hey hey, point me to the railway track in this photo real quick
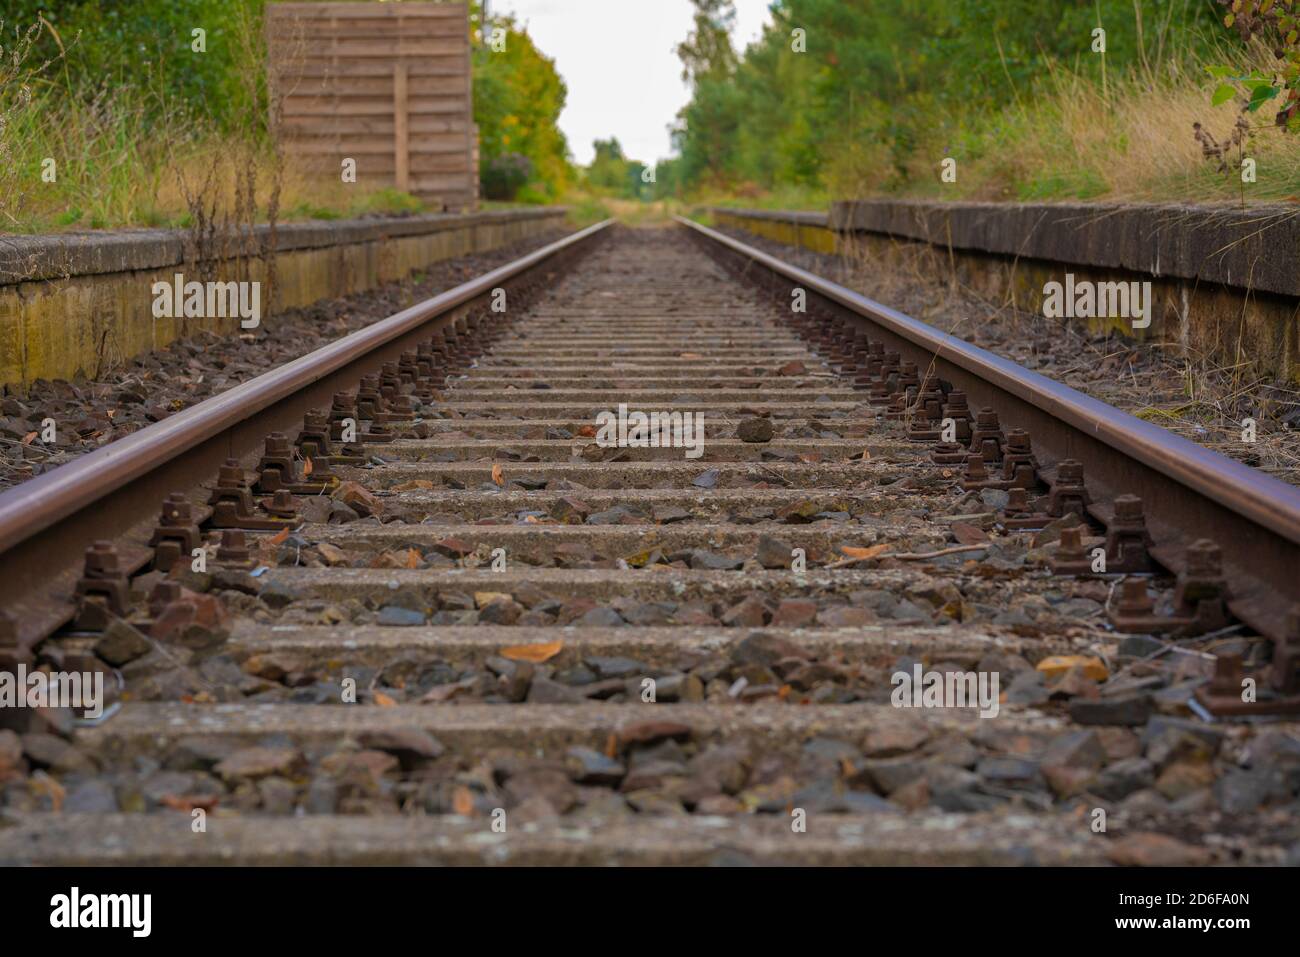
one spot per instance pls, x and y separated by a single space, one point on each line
441 619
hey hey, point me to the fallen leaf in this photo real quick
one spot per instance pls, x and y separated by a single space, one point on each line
306 467
332 554
866 454
497 477
587 432
279 536
536 652
384 701
41 783
1147 849
869 552
412 558
968 534
530 520
642 558
611 745
415 485
27 439
462 801
1056 665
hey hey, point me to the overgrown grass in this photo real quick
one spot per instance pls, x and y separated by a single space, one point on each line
128 153
1075 137
789 196
120 165
585 209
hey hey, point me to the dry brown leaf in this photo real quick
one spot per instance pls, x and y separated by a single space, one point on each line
870 552
306 467
968 534
29 437
1055 666
611 745
412 558
462 801
384 701
42 784
531 520
279 536
497 477
587 432
866 455
415 485
536 652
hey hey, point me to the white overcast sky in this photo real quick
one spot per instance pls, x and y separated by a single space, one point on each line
617 58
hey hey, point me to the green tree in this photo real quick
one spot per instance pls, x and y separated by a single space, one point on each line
518 97
146 43
884 78
614 174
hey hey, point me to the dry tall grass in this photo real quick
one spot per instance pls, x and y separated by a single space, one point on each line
1124 137
128 156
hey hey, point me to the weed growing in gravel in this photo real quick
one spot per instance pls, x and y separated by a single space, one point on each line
1193 395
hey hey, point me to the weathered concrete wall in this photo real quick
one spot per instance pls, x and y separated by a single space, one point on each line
810 230
1225 283
70 304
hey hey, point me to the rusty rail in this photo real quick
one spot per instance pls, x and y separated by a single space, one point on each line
1189 492
47 523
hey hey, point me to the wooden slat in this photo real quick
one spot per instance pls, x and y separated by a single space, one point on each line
432 182
376 29
364 11
449 143
456 162
405 45
387 84
345 90
367 106
431 66
370 164
350 126
401 139
453 86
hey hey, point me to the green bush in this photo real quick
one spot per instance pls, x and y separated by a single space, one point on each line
504 175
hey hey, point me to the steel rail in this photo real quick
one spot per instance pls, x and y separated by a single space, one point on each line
32 513
1189 492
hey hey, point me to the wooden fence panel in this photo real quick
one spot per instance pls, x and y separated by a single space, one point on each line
387 85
